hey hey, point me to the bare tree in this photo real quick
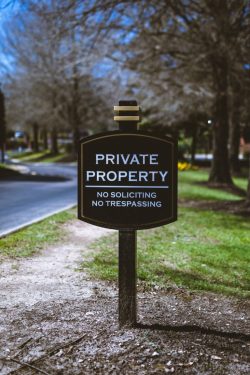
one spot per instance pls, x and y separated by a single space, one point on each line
52 70
178 57
201 37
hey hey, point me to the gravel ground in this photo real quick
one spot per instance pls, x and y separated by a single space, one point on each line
55 320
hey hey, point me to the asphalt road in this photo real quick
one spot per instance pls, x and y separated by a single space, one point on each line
22 202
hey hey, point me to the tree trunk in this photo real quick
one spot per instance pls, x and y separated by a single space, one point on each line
248 185
194 143
220 171
45 139
235 130
234 148
76 136
2 153
75 120
2 127
75 115
35 143
54 143
248 190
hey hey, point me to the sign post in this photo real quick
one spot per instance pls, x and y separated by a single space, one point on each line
127 180
127 238
127 277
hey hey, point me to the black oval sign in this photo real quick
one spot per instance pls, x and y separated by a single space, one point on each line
127 180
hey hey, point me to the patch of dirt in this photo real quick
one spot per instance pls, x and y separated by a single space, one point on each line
59 321
52 274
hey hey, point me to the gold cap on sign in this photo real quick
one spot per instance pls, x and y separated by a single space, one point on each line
127 111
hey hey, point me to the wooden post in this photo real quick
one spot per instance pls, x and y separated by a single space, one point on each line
127 277
127 243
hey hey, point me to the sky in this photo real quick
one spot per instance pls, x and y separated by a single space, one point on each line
10 8
7 10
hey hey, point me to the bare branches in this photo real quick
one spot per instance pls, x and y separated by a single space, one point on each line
6 3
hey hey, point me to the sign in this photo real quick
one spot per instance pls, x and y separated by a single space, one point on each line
127 180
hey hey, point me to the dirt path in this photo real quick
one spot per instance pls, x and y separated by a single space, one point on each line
60 322
50 276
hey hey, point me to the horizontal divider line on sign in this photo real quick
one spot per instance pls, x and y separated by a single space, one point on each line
126 186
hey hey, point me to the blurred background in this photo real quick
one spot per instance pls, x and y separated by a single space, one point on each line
65 63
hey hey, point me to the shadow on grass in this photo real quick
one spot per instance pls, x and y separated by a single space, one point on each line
202 282
62 158
234 207
21 154
229 188
45 156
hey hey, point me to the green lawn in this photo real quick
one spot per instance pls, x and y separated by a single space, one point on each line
30 240
3 166
203 250
42 156
190 187
7 171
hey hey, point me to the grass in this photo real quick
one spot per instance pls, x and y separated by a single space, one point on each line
7 171
203 250
3 166
30 240
42 156
190 187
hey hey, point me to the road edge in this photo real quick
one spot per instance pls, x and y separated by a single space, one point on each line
34 221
